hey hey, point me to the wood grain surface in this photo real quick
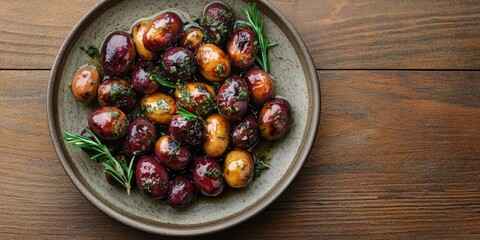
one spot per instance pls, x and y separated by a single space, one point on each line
340 34
397 152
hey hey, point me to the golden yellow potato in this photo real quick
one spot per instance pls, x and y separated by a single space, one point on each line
85 84
159 107
137 35
218 138
238 168
213 62
196 97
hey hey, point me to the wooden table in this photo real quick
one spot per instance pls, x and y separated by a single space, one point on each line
398 147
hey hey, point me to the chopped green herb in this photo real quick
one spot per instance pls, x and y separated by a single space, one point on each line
187 115
91 51
260 165
147 187
161 80
242 94
213 172
220 69
113 114
230 110
116 91
163 106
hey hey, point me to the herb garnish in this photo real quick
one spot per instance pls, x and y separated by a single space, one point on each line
91 51
213 172
117 168
260 165
252 14
161 80
187 115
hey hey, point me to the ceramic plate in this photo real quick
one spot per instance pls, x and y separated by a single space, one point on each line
296 80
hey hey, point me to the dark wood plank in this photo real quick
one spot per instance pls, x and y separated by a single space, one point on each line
397 155
347 34
391 34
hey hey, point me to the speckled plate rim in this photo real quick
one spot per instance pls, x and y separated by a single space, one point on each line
198 229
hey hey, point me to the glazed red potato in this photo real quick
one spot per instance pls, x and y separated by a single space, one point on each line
116 92
192 39
181 193
118 54
137 33
207 176
162 32
141 135
275 119
179 64
245 132
242 48
142 77
152 178
187 130
233 98
260 86
108 123
218 22
85 84
172 154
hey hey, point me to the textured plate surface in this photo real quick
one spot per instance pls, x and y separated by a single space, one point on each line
296 80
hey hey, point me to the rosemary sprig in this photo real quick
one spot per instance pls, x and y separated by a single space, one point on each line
188 115
252 15
117 168
161 80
